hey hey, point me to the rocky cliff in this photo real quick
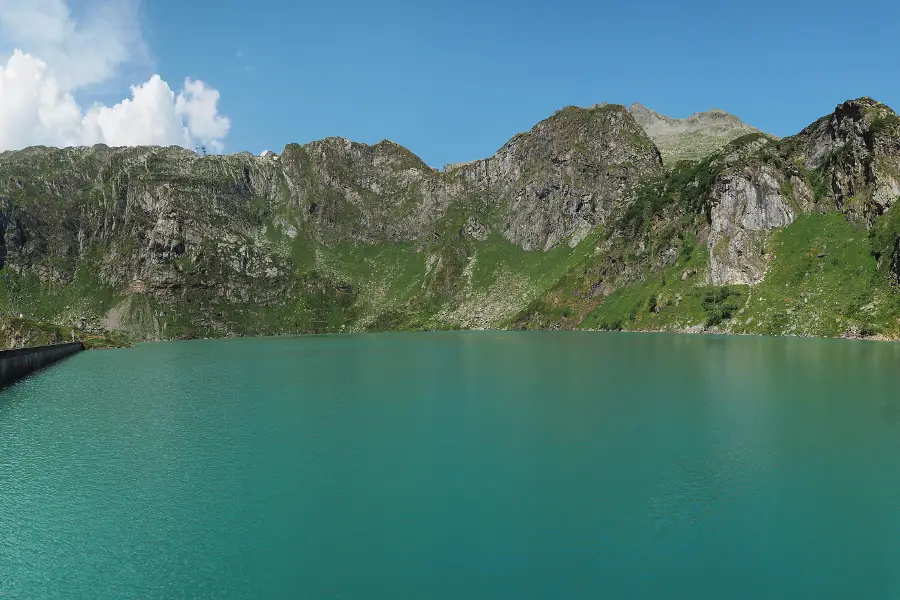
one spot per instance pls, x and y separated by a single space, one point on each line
163 242
792 236
575 223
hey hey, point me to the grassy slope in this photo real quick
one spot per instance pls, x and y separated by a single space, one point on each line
460 281
17 332
468 283
823 280
385 287
670 300
50 309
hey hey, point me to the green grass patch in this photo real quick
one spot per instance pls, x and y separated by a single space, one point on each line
822 280
497 256
670 300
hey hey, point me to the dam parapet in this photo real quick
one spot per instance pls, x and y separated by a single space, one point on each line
16 364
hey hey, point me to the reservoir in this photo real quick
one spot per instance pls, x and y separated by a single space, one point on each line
454 466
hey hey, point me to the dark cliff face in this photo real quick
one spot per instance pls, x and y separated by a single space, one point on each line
335 235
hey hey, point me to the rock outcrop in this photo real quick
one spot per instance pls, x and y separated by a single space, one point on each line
572 168
745 206
857 148
691 138
849 160
335 235
256 231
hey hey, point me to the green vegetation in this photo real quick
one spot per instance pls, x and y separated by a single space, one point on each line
668 300
683 191
160 243
823 281
720 304
17 332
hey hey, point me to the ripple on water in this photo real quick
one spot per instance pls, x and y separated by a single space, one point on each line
455 465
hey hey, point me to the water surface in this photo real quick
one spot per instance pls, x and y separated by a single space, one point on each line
456 465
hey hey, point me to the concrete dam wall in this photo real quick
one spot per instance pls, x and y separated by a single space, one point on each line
15 364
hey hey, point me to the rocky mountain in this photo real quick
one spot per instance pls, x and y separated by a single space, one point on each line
692 138
574 224
16 332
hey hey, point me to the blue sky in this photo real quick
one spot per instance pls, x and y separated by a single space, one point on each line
453 81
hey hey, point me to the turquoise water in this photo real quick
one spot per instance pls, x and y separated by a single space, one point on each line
456 465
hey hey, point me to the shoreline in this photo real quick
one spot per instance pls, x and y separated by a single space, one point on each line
692 331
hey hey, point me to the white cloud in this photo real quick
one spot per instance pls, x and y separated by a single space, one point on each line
60 55
198 105
82 51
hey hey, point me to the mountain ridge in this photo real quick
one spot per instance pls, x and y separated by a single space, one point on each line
576 223
643 115
693 137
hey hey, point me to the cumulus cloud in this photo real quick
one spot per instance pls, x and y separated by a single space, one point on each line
198 106
57 55
82 51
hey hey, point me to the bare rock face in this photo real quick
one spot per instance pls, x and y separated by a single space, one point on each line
854 157
745 206
858 149
568 170
691 138
242 244
342 188
241 229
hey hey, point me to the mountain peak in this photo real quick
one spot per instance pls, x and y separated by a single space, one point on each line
646 116
690 138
